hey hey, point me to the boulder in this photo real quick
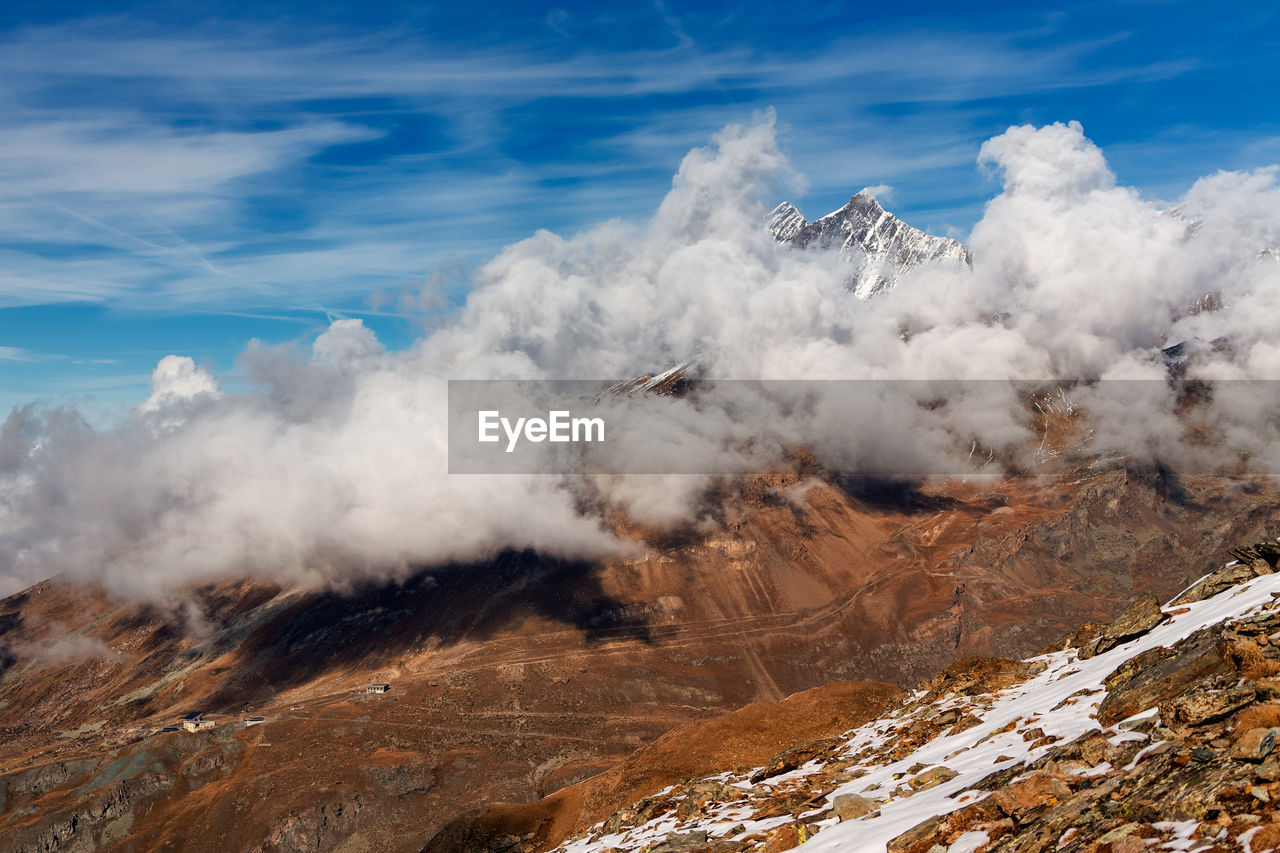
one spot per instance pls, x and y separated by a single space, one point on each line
1128 844
1256 625
689 842
914 835
930 778
1198 708
788 803
1139 662
978 675
1123 831
1091 747
701 793
1254 745
1020 799
1261 557
852 806
785 838
1155 677
796 756
621 819
1139 617
1219 581
1269 770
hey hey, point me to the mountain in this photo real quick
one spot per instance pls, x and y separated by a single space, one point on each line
880 247
520 677
751 734
1157 731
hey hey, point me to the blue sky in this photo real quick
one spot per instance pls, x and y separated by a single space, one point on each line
181 180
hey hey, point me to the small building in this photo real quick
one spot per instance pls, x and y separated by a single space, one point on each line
377 688
252 721
195 722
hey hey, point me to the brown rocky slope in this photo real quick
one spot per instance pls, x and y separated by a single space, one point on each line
514 679
1157 732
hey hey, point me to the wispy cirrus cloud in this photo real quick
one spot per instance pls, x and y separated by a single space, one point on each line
17 354
250 165
270 65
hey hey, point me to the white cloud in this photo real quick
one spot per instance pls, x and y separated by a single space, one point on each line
882 192
17 354
178 380
334 465
127 155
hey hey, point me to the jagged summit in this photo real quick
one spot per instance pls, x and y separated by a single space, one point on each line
785 221
881 247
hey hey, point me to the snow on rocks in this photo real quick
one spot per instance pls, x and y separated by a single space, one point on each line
1011 755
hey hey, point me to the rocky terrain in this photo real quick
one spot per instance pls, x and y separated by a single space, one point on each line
1155 731
750 734
519 678
879 247
531 697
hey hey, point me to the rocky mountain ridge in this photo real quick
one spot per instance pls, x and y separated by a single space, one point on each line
1156 731
880 247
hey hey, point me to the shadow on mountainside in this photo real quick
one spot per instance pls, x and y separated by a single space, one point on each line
8 622
375 623
892 495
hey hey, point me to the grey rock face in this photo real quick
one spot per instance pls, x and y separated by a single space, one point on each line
1142 615
1222 579
880 247
1161 674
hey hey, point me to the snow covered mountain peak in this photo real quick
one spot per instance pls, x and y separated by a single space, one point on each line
785 221
880 247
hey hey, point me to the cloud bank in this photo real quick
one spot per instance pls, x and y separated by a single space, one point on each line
334 465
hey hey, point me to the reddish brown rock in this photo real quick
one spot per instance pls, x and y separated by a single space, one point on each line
1128 844
785 838
1254 744
1020 799
796 756
521 677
